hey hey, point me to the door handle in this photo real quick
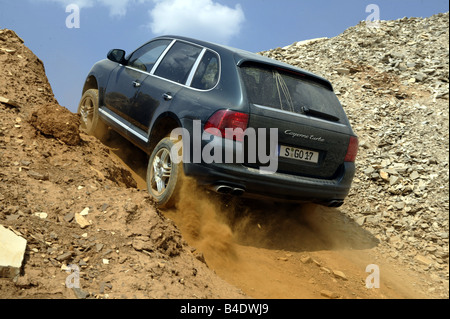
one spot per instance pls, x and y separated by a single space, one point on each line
136 84
167 96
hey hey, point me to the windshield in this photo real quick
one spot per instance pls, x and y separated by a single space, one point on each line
290 92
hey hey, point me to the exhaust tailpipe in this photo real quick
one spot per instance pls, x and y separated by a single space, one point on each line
238 192
225 189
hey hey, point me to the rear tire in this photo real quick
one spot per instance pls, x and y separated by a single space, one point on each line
91 123
164 176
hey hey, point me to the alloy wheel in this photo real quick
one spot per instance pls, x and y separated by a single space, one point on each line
161 171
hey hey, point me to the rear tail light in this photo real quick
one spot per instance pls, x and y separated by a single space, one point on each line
352 149
224 119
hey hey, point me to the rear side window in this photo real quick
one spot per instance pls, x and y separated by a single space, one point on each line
273 87
208 71
178 62
146 56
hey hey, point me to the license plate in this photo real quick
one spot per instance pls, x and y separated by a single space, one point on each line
298 154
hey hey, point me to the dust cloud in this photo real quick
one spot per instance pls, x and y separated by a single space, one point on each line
218 225
202 218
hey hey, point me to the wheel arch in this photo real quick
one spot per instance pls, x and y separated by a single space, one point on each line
162 127
98 78
90 83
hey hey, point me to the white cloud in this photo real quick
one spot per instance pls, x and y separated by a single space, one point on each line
204 19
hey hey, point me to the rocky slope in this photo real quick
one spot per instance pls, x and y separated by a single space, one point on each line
393 82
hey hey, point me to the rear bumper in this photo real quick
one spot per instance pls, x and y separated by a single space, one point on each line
278 186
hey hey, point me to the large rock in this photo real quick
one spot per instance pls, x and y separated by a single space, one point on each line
12 250
58 122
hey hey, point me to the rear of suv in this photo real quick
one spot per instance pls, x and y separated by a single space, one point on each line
290 139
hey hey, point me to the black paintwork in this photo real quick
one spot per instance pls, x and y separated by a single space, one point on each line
136 102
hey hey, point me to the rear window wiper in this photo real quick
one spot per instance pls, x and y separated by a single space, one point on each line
307 110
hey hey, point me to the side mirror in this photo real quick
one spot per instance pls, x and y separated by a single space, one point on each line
117 55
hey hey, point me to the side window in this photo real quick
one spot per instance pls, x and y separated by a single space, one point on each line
178 62
146 56
207 74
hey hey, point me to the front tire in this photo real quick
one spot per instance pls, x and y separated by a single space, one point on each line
164 175
91 123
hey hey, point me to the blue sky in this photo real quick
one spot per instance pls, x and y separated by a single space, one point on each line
253 25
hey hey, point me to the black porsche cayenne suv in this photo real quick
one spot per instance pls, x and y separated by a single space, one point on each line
237 122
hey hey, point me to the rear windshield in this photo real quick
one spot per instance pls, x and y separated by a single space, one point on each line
273 87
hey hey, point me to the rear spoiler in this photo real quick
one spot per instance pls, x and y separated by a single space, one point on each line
286 68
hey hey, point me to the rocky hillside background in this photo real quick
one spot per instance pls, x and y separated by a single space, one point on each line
393 82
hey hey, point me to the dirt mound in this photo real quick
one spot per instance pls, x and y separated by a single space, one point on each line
22 75
77 205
